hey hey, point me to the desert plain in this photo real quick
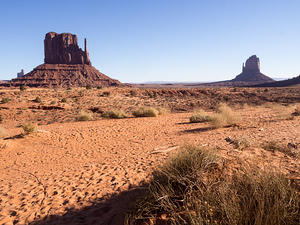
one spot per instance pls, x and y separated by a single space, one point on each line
88 172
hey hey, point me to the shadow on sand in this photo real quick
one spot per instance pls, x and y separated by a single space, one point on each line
198 130
108 212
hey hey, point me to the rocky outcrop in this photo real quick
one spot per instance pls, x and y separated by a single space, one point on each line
63 49
251 72
66 65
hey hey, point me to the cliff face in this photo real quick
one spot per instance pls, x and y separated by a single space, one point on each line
63 49
65 65
251 72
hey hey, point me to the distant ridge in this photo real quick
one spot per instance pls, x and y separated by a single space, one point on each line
283 83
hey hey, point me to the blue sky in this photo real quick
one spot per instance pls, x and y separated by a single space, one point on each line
157 40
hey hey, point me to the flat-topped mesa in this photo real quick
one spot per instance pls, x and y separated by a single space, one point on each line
63 49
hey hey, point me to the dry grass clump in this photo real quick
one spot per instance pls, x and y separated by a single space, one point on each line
145 112
84 116
192 188
114 114
28 128
297 111
200 117
273 146
225 117
162 111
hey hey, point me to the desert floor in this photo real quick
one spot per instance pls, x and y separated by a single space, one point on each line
72 172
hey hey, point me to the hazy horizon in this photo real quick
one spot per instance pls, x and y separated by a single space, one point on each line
141 41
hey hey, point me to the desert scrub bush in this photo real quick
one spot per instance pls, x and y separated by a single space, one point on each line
162 111
200 117
133 93
145 112
23 88
192 188
28 128
99 87
5 100
106 93
84 116
114 114
224 117
64 100
275 146
297 111
38 99
88 87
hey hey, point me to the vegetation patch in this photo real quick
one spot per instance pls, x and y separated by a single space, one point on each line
200 117
145 112
225 117
28 128
84 116
114 114
193 188
289 149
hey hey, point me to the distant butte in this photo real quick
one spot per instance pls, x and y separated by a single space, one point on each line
251 72
250 75
65 65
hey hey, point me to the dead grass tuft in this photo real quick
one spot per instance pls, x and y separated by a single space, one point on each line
225 117
200 117
145 112
114 114
28 128
192 189
85 116
285 149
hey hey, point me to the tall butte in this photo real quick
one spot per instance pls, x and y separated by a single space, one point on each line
65 65
251 72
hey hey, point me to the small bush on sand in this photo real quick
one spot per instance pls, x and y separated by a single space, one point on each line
162 111
28 128
200 117
38 99
114 114
276 146
88 87
225 117
297 111
4 100
84 116
192 188
63 100
145 112
23 88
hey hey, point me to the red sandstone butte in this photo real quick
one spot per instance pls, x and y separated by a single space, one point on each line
65 65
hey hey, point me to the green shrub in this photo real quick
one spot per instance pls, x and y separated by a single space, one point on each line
23 88
28 128
145 112
37 99
88 87
114 114
84 116
192 188
106 93
200 117
99 87
64 100
5 100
